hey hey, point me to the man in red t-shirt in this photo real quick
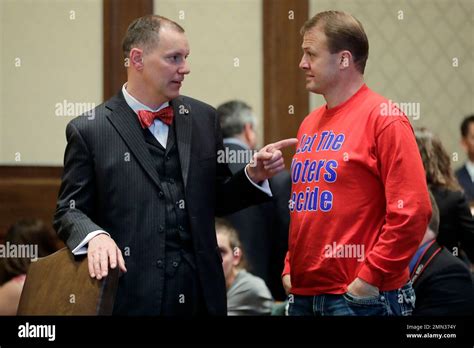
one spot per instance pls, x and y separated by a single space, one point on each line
359 204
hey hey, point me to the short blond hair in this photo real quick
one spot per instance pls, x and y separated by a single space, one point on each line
343 32
225 228
144 32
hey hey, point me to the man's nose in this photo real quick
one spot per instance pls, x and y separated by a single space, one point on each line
303 63
185 68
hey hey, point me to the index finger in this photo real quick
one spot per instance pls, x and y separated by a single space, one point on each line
284 143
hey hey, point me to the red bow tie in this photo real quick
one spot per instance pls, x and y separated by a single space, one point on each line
147 117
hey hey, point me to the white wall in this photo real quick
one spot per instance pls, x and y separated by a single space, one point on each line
59 46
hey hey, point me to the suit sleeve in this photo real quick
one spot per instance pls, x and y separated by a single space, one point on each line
281 188
233 193
408 207
466 226
448 291
73 219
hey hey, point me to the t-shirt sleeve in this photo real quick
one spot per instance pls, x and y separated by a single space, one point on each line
408 207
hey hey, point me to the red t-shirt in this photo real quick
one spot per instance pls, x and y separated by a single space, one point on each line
359 205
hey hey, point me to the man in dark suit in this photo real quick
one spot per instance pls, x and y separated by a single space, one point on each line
142 183
465 174
442 282
263 229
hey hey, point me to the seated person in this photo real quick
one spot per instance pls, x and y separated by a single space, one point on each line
456 224
443 284
246 293
25 241
465 174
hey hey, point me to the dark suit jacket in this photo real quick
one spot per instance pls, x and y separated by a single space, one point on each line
466 183
456 224
444 288
110 183
263 229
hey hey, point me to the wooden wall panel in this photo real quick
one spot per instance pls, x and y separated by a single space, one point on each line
27 192
286 101
118 14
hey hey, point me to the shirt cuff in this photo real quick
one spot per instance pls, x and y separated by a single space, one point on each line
81 249
264 186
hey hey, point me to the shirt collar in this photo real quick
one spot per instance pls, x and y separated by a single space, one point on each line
235 141
135 105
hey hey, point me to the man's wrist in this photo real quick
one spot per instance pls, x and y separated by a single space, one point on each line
252 176
366 283
361 288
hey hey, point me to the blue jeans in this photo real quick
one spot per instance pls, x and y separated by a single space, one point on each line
398 302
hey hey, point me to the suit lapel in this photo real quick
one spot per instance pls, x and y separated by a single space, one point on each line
466 176
183 123
127 125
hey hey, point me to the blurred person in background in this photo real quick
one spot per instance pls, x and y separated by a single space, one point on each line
456 229
442 282
246 294
26 240
465 174
263 229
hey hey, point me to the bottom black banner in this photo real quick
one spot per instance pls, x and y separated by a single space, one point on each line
236 330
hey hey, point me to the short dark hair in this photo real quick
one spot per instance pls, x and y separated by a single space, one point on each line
27 231
465 125
343 32
434 221
233 116
144 31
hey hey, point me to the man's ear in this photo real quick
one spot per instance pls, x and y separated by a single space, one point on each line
236 256
346 58
136 58
248 129
464 144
